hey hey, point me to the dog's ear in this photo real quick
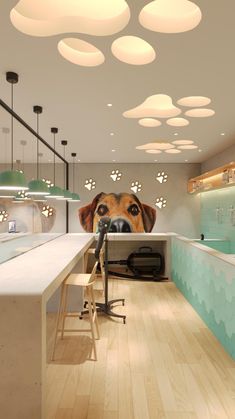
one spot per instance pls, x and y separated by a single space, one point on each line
86 213
149 217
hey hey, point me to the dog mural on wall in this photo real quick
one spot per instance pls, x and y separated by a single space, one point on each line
127 213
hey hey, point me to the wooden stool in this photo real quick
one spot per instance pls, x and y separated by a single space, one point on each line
85 280
91 251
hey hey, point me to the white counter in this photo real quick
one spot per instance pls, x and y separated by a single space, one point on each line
26 284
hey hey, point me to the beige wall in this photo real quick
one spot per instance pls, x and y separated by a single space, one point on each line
182 211
218 160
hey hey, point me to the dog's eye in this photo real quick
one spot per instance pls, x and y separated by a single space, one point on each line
102 210
133 210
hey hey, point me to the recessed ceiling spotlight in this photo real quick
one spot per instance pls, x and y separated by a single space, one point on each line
176 133
186 160
113 151
109 105
155 160
222 133
111 133
78 160
200 150
114 160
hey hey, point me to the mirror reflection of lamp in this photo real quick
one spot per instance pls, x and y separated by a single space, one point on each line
3 216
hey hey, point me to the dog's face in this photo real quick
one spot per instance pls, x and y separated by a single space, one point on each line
126 212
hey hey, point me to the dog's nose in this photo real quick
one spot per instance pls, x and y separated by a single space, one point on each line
120 226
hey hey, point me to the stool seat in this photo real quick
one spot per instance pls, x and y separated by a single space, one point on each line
82 280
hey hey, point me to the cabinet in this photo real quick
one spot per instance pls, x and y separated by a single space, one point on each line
218 178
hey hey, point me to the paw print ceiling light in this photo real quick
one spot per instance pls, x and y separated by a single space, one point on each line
47 211
90 184
160 202
102 18
3 216
136 187
162 177
115 175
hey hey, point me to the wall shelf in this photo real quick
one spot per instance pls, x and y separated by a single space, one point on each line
221 177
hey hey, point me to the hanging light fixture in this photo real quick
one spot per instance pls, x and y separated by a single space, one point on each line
67 193
12 180
36 186
6 194
75 196
21 196
55 191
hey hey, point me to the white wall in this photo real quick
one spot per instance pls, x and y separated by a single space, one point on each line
218 160
182 211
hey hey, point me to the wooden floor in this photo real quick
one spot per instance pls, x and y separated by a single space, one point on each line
164 363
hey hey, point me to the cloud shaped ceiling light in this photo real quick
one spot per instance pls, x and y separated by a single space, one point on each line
156 106
133 50
153 151
80 52
173 151
182 142
155 146
149 122
170 16
53 17
200 113
177 122
194 101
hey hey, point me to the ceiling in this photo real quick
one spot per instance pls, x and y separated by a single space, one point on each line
200 62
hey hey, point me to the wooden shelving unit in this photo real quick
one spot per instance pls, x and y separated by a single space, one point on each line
221 177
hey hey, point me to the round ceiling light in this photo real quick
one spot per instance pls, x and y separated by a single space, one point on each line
200 113
173 151
188 147
155 106
182 142
177 122
80 52
153 151
53 17
170 16
155 146
194 101
133 50
149 122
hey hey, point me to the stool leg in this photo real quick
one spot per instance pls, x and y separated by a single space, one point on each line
102 269
91 321
62 294
64 311
95 312
85 261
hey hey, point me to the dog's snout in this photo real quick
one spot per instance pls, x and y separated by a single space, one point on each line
120 226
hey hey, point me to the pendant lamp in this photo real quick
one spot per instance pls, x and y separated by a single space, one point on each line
67 193
12 180
55 191
21 196
36 186
75 196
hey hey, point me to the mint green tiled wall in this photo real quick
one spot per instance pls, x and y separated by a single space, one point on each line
211 225
208 283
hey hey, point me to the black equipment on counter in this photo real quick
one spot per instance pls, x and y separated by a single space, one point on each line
103 228
146 262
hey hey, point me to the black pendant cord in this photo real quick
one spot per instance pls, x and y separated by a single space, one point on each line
73 173
12 127
54 159
37 129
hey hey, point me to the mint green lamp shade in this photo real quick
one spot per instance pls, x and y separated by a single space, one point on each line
67 195
38 187
75 197
55 192
13 180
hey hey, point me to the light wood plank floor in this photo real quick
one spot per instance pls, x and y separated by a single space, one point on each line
164 363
